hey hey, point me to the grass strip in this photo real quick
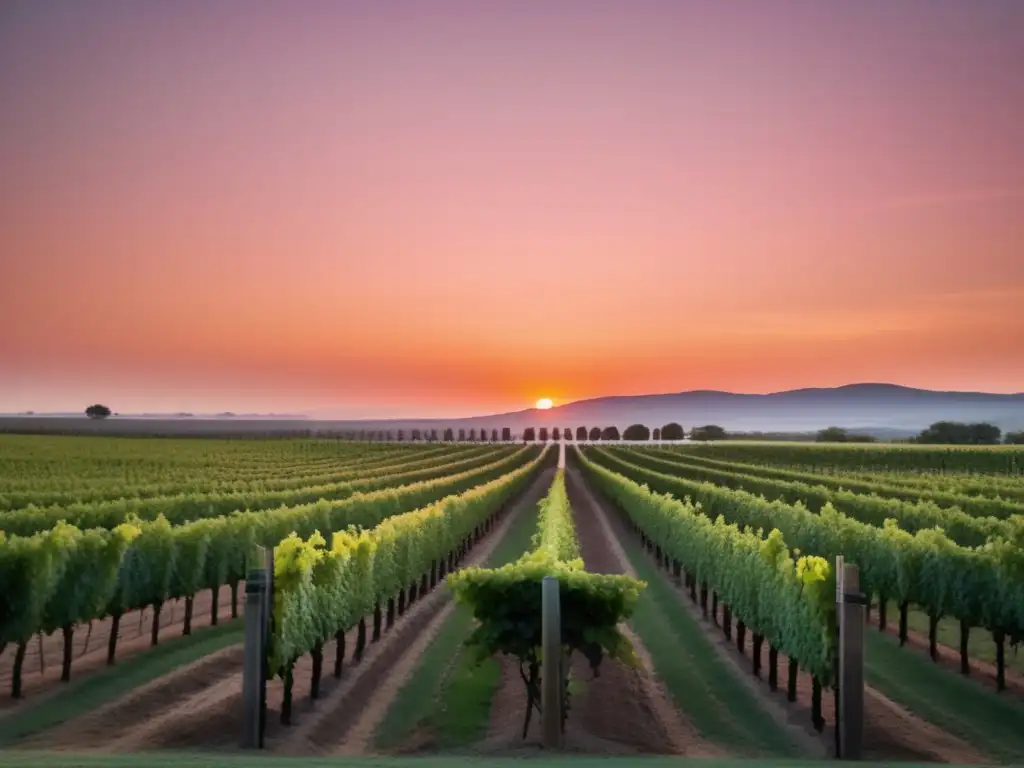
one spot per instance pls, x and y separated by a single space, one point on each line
705 686
92 691
981 648
447 693
989 721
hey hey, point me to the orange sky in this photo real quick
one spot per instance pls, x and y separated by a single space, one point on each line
389 208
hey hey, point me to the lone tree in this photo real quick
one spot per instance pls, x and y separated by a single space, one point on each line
636 432
543 434
595 434
449 435
581 434
529 435
956 433
610 433
833 435
672 431
97 411
506 434
656 435
708 432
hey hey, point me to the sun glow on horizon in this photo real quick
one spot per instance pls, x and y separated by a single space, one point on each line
544 403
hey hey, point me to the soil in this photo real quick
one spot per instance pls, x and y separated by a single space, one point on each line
384 690
199 706
981 671
890 732
622 711
41 674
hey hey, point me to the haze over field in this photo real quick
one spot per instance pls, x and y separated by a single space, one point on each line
444 209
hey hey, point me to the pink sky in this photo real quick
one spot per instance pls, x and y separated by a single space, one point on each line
390 208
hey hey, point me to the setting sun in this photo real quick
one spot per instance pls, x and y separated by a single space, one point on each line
544 403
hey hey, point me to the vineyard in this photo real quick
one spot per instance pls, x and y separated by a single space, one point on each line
697 583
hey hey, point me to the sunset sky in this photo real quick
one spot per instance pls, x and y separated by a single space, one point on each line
440 208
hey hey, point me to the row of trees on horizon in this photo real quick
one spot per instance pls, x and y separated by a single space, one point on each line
939 433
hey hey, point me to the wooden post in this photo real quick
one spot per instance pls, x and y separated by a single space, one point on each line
850 614
254 681
551 670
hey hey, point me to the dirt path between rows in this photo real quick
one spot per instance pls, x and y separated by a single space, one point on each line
983 672
199 706
386 689
890 732
622 711
133 637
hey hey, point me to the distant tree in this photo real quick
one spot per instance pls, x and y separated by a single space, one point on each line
556 433
610 433
636 432
506 434
581 434
672 431
449 435
707 432
1014 438
529 435
595 434
543 434
472 435
462 435
97 412
401 435
833 435
656 435
567 434
433 435
957 433
416 435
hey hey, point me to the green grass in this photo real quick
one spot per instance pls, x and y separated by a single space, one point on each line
185 760
991 722
980 647
704 685
80 696
447 693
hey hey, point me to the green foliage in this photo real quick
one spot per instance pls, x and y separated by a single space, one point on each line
956 433
788 599
672 431
1014 438
610 433
97 412
319 591
910 458
708 432
636 432
581 434
507 601
656 434
595 434
983 585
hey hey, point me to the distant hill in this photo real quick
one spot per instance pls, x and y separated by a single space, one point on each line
886 411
